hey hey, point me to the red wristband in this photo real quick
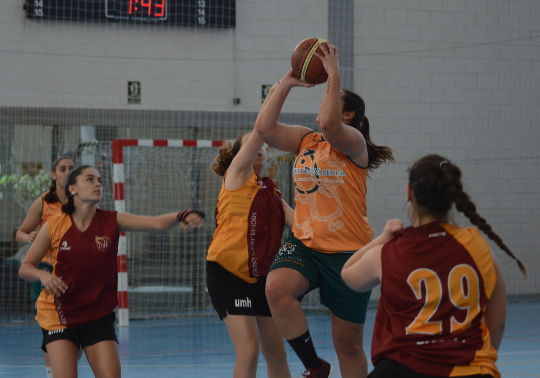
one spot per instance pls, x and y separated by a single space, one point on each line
182 215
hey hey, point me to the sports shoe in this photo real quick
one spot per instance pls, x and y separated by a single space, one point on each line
323 371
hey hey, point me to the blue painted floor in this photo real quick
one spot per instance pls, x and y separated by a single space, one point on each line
200 347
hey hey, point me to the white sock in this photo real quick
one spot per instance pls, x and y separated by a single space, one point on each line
48 371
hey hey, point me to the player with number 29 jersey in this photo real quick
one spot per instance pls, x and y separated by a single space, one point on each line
430 315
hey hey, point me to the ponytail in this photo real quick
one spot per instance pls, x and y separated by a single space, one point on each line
69 206
376 154
468 208
51 196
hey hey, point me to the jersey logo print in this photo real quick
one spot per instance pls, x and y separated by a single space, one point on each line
317 189
103 243
302 164
64 246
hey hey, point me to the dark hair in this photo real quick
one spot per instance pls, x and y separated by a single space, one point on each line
50 196
376 154
227 152
69 207
436 185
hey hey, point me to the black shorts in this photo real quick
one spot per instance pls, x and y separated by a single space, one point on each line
232 295
386 367
84 335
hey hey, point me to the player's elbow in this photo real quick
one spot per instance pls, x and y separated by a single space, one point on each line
496 334
263 129
23 271
325 123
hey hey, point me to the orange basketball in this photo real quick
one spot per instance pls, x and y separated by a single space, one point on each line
306 66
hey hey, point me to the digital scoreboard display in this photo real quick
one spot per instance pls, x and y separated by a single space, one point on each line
203 13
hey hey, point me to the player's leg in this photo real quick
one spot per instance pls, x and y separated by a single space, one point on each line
103 359
273 348
283 287
35 291
98 338
348 314
289 278
243 332
347 338
234 301
292 275
62 356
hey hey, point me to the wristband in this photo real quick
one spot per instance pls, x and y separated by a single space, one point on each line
182 215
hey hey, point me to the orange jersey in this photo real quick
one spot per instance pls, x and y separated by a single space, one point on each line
249 226
435 284
86 262
330 196
49 209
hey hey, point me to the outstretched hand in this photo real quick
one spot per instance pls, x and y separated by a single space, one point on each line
192 220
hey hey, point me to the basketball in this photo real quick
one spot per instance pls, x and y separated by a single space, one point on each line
306 66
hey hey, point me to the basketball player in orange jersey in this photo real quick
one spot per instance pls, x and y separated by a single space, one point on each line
42 208
330 218
250 217
443 299
76 308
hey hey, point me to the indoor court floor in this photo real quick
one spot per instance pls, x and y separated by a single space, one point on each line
200 347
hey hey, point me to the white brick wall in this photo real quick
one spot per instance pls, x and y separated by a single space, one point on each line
465 85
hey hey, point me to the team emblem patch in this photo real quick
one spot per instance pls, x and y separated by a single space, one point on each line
103 243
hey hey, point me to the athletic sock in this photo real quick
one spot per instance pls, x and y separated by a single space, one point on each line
305 350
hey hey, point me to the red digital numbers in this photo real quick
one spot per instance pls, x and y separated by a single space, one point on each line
159 8
146 4
151 8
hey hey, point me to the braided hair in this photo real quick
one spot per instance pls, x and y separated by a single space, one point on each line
436 184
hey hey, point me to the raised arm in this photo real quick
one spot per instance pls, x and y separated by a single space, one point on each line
186 218
345 138
278 135
29 271
241 166
496 310
27 231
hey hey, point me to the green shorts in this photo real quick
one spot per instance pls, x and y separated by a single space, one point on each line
323 271
37 287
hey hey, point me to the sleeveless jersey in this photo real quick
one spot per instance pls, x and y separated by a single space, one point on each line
86 262
330 198
249 226
49 209
436 282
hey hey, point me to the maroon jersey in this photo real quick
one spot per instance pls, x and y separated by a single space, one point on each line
86 262
436 281
249 225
